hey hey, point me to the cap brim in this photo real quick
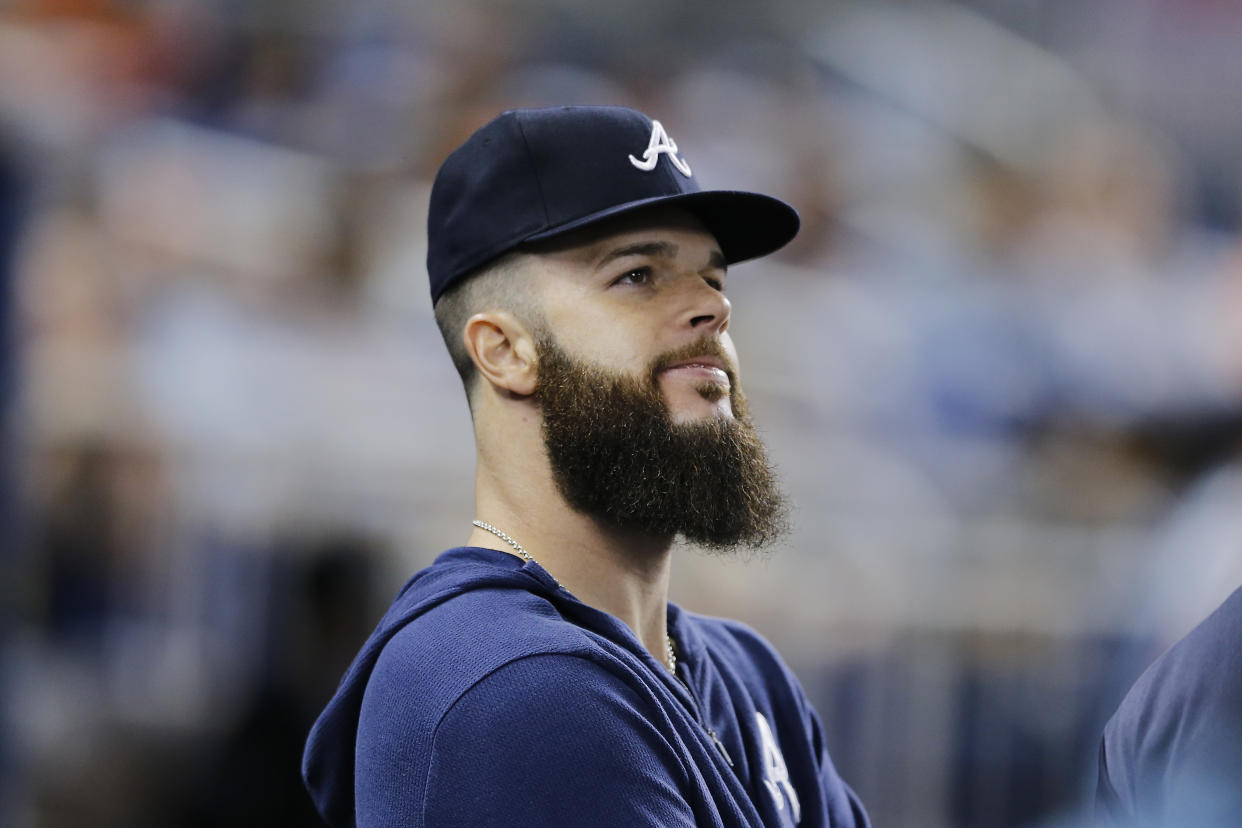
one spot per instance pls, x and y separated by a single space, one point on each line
746 225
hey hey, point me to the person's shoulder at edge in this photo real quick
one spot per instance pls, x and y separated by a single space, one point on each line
1180 723
450 646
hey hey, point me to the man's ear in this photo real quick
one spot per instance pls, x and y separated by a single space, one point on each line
503 351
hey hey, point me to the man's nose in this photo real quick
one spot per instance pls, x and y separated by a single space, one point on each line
707 309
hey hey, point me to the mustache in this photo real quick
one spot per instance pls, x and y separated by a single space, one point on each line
707 346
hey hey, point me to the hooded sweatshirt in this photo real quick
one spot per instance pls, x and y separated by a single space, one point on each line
488 695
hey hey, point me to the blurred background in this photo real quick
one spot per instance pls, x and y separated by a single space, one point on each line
999 369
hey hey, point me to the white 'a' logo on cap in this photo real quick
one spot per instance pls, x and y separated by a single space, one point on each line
660 143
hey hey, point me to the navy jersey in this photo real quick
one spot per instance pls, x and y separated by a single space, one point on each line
488 695
1172 753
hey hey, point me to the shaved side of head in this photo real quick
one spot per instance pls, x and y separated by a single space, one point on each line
506 284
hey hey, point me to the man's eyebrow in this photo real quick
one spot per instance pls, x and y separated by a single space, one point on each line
664 249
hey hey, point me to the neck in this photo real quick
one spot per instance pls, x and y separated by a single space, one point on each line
623 574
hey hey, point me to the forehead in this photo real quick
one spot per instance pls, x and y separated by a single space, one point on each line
592 243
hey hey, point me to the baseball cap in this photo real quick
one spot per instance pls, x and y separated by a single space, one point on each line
532 174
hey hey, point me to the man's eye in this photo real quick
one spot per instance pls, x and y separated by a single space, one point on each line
716 284
637 276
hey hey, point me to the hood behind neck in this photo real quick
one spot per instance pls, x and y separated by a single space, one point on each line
328 762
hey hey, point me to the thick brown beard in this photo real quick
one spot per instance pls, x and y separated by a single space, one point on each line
617 455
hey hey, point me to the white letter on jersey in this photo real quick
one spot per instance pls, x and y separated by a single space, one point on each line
660 143
775 773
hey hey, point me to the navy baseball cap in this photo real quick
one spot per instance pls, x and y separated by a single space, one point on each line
532 174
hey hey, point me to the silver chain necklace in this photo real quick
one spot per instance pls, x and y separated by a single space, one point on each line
487 527
670 653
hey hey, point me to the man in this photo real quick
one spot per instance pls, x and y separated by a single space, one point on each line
538 675
1172 753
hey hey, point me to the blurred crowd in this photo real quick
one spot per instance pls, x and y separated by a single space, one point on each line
1000 369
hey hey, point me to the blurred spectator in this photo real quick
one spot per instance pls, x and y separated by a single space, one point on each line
12 211
251 776
81 549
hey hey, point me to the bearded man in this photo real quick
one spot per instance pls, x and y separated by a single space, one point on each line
538 675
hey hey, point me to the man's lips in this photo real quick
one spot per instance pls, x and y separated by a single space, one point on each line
704 368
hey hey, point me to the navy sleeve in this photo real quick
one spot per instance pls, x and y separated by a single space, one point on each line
545 740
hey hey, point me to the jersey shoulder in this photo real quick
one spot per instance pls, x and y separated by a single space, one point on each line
454 645
546 738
